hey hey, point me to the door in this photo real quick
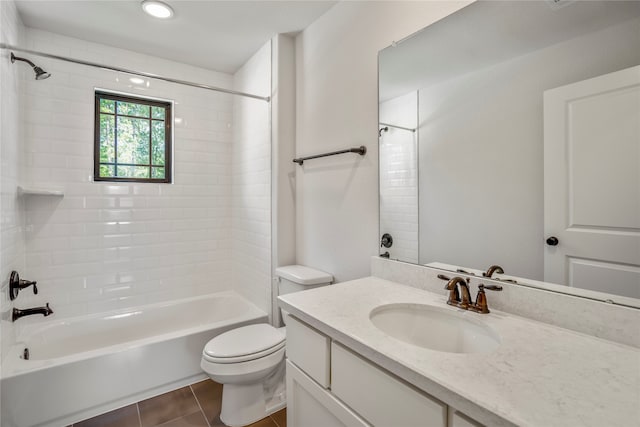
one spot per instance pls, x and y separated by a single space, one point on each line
592 183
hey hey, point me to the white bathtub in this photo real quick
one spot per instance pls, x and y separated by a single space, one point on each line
81 367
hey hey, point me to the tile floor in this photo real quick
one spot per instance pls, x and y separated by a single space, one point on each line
197 405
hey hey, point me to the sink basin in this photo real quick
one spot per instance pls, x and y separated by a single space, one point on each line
435 328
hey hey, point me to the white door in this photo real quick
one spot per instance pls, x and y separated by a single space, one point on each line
592 183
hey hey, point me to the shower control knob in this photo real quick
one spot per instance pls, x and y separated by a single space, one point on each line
553 241
386 241
16 284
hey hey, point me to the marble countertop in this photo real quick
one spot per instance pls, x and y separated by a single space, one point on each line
540 375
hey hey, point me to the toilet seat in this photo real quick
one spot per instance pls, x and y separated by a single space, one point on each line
244 344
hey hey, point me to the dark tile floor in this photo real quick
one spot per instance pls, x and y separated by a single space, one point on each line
197 405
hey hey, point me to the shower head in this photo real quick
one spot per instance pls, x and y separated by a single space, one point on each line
383 129
40 73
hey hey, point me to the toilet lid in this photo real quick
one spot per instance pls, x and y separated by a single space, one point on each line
245 341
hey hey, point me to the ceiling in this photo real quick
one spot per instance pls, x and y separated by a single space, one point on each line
217 35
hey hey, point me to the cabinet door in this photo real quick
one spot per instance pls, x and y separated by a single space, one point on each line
379 397
309 405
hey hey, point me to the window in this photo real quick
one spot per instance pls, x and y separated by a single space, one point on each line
132 139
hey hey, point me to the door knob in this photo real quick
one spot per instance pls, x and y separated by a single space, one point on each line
552 241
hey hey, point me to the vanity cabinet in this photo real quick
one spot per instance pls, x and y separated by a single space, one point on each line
310 405
330 386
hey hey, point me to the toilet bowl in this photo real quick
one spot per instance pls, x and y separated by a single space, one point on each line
249 361
243 360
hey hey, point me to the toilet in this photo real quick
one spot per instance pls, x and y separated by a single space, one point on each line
249 361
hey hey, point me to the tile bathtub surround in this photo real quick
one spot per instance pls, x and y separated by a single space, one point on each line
399 176
599 319
251 182
12 157
197 405
107 246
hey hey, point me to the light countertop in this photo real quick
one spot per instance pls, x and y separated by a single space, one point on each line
540 375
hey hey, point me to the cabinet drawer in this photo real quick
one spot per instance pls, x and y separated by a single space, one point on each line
309 405
309 350
382 399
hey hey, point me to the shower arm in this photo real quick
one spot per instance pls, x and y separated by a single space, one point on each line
17 58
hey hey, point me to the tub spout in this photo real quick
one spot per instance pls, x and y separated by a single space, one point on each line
17 313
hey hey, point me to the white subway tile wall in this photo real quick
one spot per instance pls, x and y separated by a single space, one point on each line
399 177
251 198
107 245
12 248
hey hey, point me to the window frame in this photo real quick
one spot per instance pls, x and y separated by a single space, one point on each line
168 136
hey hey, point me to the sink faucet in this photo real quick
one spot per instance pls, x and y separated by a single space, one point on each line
17 313
479 306
462 299
493 269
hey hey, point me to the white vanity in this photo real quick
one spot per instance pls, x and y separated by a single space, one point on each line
343 370
352 390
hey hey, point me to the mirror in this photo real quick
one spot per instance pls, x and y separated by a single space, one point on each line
510 135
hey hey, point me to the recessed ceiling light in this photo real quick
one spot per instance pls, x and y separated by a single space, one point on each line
157 9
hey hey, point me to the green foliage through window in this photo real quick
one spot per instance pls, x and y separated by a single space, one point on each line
132 139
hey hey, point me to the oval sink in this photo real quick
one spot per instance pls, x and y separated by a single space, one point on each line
434 328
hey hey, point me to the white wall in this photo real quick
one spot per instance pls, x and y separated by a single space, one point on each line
399 176
12 250
251 182
283 113
481 152
283 146
337 107
112 245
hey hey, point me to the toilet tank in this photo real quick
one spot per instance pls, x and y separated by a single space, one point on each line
295 278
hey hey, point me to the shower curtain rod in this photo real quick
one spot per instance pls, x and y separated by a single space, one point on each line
135 73
397 127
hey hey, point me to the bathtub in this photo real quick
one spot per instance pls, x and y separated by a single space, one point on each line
85 366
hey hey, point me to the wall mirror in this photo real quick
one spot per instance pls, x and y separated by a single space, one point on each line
510 134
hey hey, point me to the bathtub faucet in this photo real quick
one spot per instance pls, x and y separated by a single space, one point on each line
17 313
